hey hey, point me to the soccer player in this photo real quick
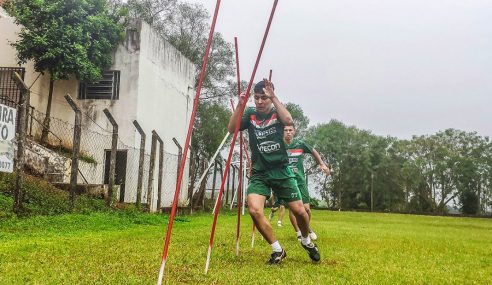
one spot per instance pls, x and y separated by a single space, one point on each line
295 150
271 172
278 204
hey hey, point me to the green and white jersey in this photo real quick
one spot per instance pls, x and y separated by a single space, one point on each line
295 150
266 141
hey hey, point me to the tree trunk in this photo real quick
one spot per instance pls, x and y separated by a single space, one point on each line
46 122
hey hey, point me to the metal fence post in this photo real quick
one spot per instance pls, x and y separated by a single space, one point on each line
77 132
150 183
141 160
112 163
21 137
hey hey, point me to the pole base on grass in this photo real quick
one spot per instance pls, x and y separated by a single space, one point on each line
208 258
237 247
161 272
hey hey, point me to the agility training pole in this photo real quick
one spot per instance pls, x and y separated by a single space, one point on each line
234 138
186 145
241 142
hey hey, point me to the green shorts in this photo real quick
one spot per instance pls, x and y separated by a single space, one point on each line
281 181
304 193
279 202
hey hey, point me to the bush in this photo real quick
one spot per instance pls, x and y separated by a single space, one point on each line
41 198
469 201
313 203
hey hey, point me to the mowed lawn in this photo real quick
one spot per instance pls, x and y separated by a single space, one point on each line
356 248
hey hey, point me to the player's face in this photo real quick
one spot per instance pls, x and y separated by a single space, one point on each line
263 103
289 132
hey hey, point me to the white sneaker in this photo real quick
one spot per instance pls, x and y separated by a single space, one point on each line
279 224
313 235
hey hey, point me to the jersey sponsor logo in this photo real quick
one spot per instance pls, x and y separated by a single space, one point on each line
268 147
261 134
293 160
265 123
295 152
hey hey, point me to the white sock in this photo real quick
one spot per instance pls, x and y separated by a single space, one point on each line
276 247
305 240
298 233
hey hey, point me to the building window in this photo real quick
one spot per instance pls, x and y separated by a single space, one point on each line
9 92
107 88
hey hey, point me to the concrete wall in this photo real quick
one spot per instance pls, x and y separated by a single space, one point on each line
165 88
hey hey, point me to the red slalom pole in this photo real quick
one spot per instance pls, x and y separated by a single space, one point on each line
186 146
270 76
234 138
241 142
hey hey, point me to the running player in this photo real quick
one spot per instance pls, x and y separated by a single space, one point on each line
265 125
295 150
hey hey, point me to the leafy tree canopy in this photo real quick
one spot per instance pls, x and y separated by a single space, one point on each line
65 37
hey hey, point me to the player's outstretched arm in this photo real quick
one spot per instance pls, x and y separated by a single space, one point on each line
321 163
231 127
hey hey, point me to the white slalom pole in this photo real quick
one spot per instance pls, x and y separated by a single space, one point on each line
216 203
211 162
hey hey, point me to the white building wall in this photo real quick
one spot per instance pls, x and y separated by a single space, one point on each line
164 104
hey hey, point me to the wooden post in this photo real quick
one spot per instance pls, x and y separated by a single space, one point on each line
21 137
228 186
192 175
150 184
161 169
77 132
214 180
112 163
141 160
180 154
233 183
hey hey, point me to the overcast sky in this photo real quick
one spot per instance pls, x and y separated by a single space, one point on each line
396 68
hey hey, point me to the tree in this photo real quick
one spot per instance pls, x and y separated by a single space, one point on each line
65 38
301 121
208 132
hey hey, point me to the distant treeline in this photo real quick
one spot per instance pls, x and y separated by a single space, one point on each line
427 174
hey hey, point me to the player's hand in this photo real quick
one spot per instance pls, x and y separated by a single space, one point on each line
242 99
325 169
268 89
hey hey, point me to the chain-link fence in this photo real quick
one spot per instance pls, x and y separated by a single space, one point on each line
49 154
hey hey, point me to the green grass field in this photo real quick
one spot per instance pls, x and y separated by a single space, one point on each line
356 248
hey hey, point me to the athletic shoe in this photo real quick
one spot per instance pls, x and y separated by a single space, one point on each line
279 224
313 252
299 238
313 235
277 257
